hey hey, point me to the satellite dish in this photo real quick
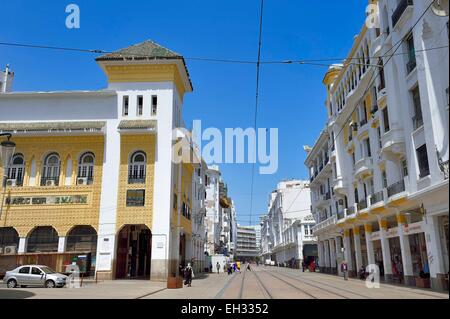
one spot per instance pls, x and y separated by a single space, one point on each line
440 8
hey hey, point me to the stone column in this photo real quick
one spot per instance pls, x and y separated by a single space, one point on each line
327 256
347 250
358 252
333 257
406 252
321 256
386 250
338 242
22 245
369 244
434 249
62 244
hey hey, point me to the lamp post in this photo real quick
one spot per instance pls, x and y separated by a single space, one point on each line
7 151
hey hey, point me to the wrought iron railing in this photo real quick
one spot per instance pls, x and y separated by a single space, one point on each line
136 179
417 122
362 204
396 188
376 198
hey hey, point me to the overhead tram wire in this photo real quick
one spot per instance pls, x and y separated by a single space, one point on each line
258 74
312 62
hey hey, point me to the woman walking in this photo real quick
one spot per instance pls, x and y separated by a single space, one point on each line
188 275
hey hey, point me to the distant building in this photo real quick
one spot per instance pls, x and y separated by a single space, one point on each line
247 244
286 232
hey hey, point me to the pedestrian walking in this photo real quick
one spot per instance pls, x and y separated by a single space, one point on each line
303 266
218 267
210 267
344 269
229 270
248 267
188 275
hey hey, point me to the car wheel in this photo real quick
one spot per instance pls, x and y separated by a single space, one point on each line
12 283
49 284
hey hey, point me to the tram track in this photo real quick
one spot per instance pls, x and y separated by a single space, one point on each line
264 288
314 283
291 285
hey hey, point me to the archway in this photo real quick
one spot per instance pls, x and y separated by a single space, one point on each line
9 240
134 245
43 239
82 239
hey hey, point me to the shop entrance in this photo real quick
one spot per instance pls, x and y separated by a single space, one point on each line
378 256
396 258
134 244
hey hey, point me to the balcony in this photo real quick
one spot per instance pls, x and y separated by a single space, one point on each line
376 198
339 185
396 188
362 205
351 211
324 225
341 215
403 6
363 167
394 142
136 179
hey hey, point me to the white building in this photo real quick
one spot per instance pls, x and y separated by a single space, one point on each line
99 165
247 247
379 171
286 232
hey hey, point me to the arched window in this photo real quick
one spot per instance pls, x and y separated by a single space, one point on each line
50 173
86 167
43 239
16 170
137 168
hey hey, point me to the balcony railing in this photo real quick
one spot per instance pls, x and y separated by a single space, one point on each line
396 188
140 179
351 211
341 215
376 198
362 204
327 196
401 8
46 181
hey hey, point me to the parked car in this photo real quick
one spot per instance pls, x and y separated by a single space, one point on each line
34 275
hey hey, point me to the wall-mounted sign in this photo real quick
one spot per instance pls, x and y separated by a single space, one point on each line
412 229
47 200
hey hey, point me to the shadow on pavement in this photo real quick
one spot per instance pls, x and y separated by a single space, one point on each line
15 294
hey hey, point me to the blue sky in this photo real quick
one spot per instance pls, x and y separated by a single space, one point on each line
292 96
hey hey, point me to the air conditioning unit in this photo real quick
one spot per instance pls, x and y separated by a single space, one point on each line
10 250
11 182
82 181
50 182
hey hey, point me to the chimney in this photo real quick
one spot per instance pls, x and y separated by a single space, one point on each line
6 80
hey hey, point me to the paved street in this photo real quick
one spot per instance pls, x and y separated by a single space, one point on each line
261 283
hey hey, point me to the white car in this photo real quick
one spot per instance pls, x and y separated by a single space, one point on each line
34 275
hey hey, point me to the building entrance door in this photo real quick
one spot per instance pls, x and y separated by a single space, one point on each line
134 252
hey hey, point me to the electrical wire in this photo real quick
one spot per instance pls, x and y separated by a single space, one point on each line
258 74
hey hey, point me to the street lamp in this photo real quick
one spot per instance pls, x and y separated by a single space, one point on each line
7 151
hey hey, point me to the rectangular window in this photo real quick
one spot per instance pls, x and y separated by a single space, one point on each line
140 105
154 105
411 65
125 105
387 128
368 151
380 141
417 119
384 178
136 198
405 168
382 78
422 159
